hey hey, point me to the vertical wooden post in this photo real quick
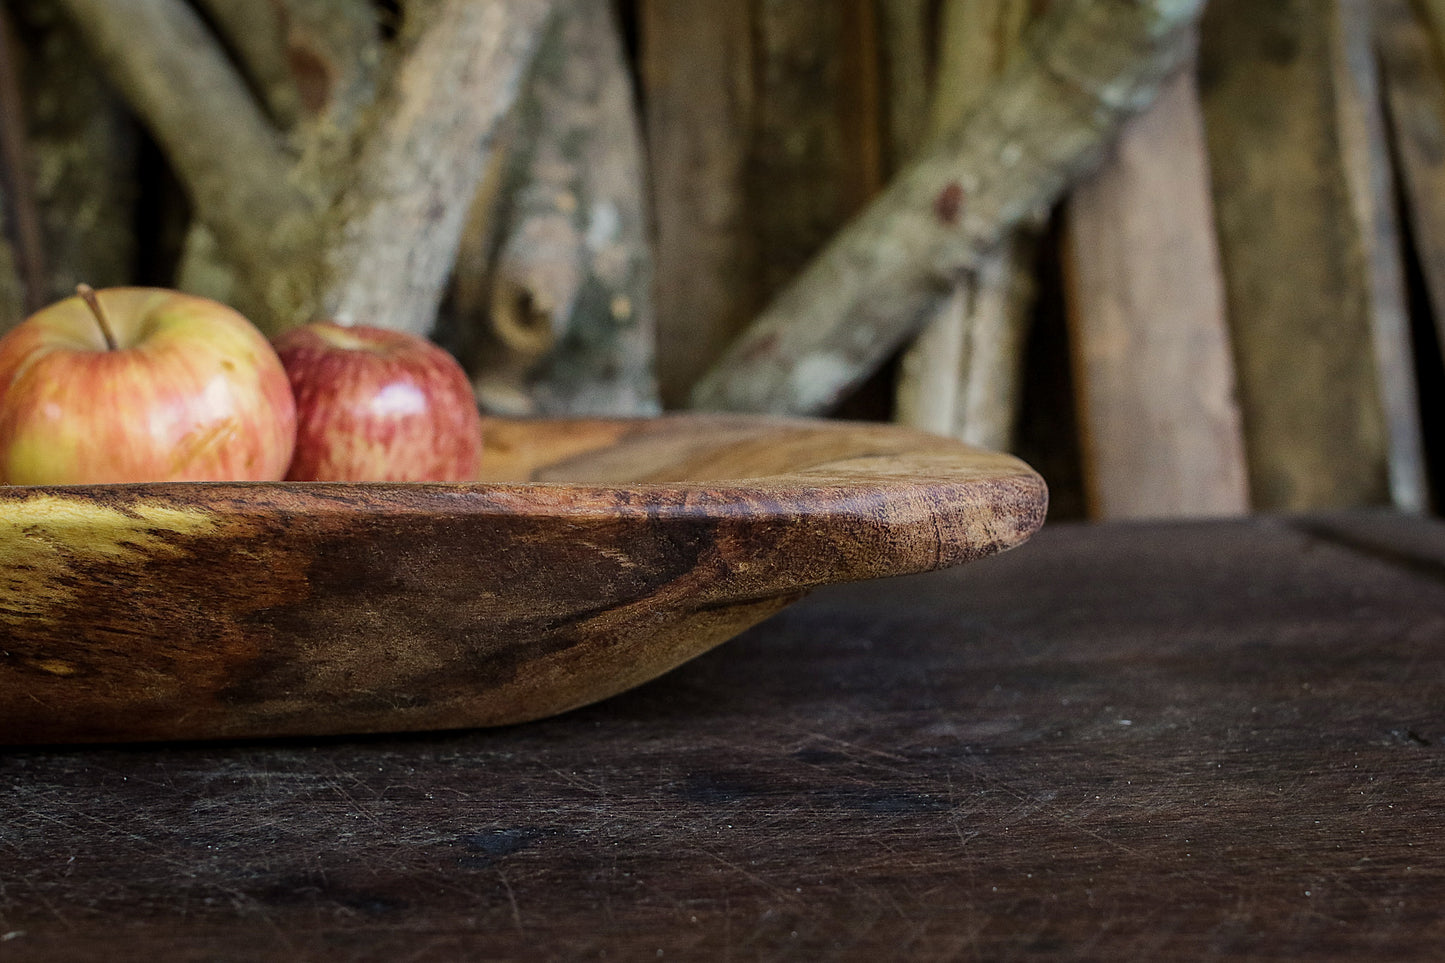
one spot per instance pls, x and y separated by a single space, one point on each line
1415 92
1160 428
816 152
1366 163
697 72
765 135
1307 259
907 46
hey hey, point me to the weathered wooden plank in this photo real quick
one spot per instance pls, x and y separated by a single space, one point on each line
1222 739
1415 93
697 77
1305 254
1159 424
1370 180
817 147
908 44
765 135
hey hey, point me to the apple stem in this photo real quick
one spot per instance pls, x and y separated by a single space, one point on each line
87 294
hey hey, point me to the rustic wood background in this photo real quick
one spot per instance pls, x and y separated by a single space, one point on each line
1234 306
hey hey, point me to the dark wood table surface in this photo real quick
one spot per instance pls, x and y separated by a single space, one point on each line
1155 741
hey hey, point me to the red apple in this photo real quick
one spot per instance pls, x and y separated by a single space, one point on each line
378 405
141 384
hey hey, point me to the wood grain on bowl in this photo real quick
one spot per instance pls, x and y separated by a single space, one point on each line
593 556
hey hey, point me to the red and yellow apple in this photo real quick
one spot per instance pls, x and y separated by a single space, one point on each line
378 405
141 385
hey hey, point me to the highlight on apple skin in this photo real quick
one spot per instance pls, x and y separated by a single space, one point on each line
378 405
141 385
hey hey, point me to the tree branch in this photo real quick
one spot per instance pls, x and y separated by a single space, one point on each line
176 77
403 216
307 59
314 65
1090 64
256 35
551 303
575 245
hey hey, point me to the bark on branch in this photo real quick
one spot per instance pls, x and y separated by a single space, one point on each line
402 217
360 224
308 60
168 66
1089 64
553 279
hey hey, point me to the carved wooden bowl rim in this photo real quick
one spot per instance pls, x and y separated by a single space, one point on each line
593 555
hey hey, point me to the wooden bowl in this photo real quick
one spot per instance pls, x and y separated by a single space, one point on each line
594 556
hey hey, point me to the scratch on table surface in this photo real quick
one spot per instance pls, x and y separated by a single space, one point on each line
899 911
512 899
177 871
778 891
847 744
955 814
571 778
110 827
360 811
132 775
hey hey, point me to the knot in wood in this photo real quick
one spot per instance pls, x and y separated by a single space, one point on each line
949 203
